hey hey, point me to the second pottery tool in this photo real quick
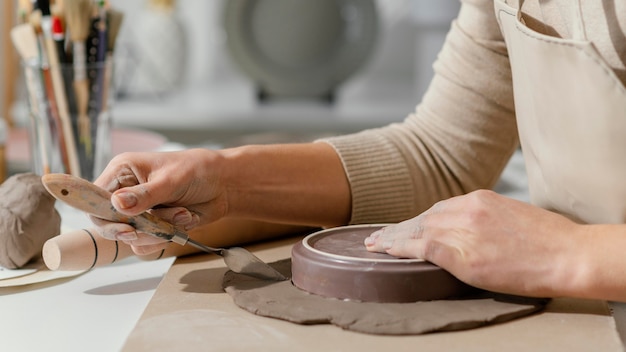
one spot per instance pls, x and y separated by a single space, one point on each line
84 195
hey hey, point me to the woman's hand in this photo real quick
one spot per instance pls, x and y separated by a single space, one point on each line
180 187
190 179
297 184
142 243
491 242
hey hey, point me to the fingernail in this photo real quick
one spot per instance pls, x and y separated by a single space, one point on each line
125 200
182 217
195 219
126 236
387 244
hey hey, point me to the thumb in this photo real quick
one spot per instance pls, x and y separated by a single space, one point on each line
133 200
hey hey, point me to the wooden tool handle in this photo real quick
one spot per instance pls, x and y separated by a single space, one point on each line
84 195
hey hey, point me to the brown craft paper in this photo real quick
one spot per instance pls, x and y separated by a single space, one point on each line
190 311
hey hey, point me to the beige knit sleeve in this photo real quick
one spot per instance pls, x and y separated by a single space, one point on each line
458 140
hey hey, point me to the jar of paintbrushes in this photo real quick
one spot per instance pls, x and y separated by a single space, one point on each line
66 49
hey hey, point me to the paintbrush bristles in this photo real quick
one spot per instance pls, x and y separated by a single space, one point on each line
59 5
115 22
78 18
34 19
24 8
25 41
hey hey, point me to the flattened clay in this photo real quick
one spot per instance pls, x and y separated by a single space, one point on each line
27 219
282 300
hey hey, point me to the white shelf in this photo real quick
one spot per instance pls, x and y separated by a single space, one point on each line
232 106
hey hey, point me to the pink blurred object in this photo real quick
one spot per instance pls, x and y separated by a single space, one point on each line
124 140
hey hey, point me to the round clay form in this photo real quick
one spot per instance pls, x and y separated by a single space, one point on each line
335 263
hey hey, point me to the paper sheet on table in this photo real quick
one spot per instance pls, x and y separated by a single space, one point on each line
6 273
38 273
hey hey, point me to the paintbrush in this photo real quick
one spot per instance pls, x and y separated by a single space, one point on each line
38 19
114 23
56 56
50 117
78 18
96 53
25 41
58 96
114 19
24 8
58 35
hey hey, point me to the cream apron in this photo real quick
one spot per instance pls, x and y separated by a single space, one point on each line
571 116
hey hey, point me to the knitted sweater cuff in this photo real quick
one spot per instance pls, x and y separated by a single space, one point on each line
381 189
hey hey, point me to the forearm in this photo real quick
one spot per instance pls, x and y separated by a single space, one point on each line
229 232
301 184
599 263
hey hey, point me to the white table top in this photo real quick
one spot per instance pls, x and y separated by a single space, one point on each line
94 311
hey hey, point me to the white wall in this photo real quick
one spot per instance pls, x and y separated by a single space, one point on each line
412 33
386 90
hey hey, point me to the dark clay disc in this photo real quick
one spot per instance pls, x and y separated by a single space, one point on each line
335 263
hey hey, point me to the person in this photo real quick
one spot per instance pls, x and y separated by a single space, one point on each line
544 75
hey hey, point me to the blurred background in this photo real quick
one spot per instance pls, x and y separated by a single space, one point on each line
223 73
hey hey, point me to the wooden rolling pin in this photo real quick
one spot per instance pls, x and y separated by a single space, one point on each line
84 249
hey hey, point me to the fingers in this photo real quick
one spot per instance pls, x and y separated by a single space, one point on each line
111 230
118 174
179 216
140 243
424 237
401 241
131 200
131 178
149 249
382 240
136 199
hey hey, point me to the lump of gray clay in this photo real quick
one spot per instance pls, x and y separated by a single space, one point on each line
27 219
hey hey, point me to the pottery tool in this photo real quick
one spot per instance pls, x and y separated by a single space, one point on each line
85 196
85 249
25 41
55 57
78 17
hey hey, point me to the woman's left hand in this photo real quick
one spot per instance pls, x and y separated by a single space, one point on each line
489 241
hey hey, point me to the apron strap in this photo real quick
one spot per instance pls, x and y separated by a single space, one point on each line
578 25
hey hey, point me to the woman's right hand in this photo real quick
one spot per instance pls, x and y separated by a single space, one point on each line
190 179
181 187
299 184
